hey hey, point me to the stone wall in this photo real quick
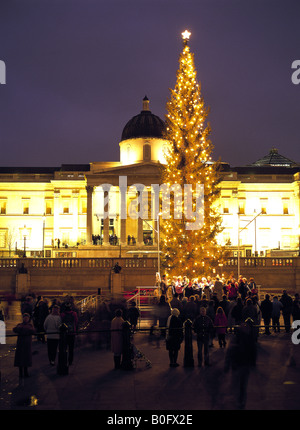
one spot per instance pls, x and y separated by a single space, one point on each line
84 276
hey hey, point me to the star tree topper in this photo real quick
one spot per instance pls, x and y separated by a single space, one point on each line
185 36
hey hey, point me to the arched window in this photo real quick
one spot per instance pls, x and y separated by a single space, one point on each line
147 152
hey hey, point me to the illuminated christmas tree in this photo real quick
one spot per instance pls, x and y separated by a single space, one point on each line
188 241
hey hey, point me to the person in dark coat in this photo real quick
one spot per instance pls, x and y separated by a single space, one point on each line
133 315
163 311
40 313
203 326
70 318
296 308
23 354
241 358
27 306
237 312
287 307
242 287
175 336
266 308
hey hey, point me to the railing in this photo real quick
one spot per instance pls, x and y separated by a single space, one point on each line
131 263
145 305
104 263
261 262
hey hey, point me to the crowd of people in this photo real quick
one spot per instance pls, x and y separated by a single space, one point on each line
239 298
45 321
216 307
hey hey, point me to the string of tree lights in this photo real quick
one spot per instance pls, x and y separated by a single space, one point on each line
189 161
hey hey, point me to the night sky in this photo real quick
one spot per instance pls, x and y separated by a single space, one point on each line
77 71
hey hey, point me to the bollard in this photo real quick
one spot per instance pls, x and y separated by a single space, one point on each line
127 350
188 344
62 366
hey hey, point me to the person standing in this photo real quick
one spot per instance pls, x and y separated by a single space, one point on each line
221 324
276 308
51 326
266 312
237 312
70 319
241 358
23 354
203 327
175 336
117 337
133 315
218 288
296 308
287 307
40 313
163 312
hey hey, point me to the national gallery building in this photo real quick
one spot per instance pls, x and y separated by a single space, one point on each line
61 211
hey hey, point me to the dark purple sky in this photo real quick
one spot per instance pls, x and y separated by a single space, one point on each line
77 71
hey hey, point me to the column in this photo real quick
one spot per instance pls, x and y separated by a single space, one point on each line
75 205
123 210
89 214
56 215
140 220
140 231
106 189
123 237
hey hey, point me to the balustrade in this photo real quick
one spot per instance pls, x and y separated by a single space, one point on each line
105 263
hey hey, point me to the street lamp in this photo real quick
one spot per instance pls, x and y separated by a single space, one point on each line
240 230
44 222
25 233
158 237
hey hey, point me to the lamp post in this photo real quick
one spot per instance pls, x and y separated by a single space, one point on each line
44 223
240 230
25 232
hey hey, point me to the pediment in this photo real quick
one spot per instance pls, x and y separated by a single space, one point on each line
145 172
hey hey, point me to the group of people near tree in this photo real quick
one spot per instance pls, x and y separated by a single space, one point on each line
216 306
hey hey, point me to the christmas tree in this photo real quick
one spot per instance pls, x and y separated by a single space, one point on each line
189 227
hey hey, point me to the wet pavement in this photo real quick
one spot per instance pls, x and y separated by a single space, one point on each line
93 384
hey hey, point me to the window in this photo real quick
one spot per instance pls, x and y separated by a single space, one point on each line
285 206
263 206
2 207
48 209
83 206
225 205
242 206
66 206
147 152
25 205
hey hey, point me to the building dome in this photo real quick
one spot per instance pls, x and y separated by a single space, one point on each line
145 125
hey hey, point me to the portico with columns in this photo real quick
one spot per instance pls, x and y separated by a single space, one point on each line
114 204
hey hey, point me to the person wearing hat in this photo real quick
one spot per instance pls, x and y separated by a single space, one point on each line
23 354
175 336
